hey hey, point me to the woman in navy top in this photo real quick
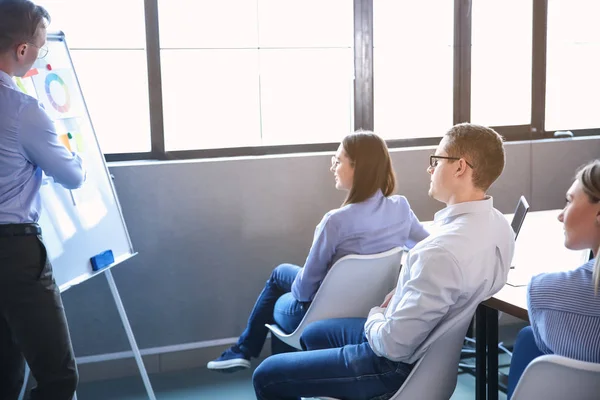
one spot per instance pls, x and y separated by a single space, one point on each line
564 307
370 221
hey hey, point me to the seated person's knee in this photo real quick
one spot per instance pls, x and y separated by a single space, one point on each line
313 334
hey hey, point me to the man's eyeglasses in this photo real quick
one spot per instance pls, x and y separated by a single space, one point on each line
43 51
433 160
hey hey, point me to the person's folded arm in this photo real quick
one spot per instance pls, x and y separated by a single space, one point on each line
435 284
42 148
319 257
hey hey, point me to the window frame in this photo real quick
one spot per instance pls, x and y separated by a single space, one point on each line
363 88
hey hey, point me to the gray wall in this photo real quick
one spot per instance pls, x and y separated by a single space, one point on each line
209 232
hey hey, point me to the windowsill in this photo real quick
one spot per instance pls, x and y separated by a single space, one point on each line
328 153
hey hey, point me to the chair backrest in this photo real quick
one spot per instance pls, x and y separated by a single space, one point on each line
435 374
353 285
553 377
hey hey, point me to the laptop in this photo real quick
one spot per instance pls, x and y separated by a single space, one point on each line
514 278
519 217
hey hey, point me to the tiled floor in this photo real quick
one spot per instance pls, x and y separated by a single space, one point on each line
201 384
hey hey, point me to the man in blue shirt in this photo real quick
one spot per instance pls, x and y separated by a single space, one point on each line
33 326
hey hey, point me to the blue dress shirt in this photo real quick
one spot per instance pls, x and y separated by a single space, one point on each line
373 226
565 313
28 146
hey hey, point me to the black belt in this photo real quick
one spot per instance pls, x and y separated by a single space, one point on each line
20 230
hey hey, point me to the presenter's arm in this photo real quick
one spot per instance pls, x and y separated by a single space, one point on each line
42 148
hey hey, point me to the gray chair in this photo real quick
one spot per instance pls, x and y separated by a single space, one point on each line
367 277
553 377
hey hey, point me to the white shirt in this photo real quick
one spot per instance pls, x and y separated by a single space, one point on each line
464 261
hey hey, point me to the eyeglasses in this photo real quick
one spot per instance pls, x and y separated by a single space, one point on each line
336 161
433 160
43 50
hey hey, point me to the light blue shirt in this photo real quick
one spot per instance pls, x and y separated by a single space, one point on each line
565 313
464 261
28 145
373 226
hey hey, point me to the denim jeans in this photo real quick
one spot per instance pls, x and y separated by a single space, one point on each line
338 362
524 352
275 304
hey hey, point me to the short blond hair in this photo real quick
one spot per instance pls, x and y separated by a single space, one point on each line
480 146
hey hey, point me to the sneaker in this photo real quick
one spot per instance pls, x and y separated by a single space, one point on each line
232 360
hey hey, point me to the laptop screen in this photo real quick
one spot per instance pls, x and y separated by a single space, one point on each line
519 216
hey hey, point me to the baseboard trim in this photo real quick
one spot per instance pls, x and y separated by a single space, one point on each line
178 357
156 350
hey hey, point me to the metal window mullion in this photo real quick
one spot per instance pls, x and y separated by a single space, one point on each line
538 67
157 133
462 60
363 64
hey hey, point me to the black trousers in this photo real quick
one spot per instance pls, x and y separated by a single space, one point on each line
33 325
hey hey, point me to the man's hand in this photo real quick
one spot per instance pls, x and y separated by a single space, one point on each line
388 297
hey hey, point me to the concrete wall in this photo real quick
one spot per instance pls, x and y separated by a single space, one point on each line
209 232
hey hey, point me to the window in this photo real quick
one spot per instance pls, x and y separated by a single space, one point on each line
501 56
242 77
413 68
573 65
256 76
111 67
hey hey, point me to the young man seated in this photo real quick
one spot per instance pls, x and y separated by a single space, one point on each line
464 261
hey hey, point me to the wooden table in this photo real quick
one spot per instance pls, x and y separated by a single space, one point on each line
539 248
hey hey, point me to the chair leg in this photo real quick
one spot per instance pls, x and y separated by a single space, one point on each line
481 355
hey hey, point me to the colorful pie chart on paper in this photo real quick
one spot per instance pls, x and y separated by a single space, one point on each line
58 93
31 72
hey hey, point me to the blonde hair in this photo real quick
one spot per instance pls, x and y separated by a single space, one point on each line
589 177
481 146
596 275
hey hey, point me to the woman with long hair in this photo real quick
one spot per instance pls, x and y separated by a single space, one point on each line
371 220
564 307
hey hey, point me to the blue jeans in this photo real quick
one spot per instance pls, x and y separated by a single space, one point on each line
338 363
525 351
275 304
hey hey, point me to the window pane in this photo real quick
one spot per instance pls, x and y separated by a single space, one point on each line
573 65
214 104
306 23
306 95
413 68
501 62
110 62
294 86
207 24
118 102
85 25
